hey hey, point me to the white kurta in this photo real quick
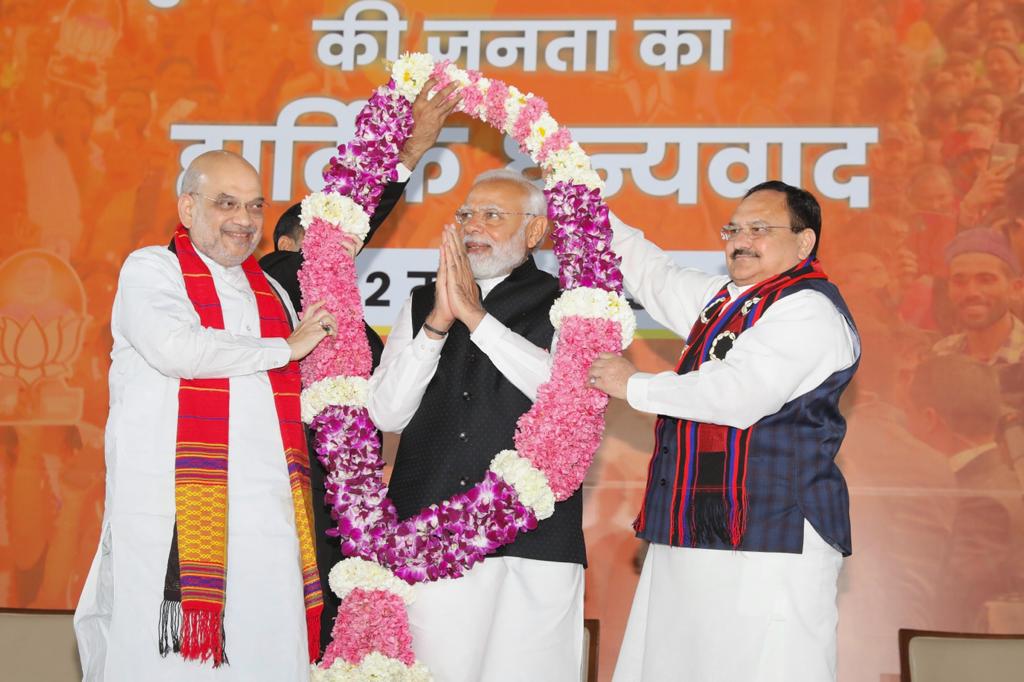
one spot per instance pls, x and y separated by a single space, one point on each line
704 614
508 619
157 340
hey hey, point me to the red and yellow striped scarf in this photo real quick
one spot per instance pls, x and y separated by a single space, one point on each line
192 615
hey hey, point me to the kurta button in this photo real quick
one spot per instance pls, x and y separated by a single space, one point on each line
466 395
662 482
462 436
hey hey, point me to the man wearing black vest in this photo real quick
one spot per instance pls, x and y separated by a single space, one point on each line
745 509
463 362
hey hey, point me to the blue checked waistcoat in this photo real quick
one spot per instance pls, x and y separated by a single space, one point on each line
787 474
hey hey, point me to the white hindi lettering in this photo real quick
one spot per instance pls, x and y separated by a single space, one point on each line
283 135
288 131
672 34
747 147
728 146
457 44
564 44
518 42
357 39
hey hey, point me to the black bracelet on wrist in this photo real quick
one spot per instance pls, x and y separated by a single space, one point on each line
434 331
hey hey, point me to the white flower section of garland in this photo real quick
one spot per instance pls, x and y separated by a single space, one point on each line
595 303
571 165
354 391
539 131
514 104
375 667
410 72
457 75
530 482
338 210
355 573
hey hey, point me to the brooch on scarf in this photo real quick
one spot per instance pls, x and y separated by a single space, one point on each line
749 304
705 315
721 345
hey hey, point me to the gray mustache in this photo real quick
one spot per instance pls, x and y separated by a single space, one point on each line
743 252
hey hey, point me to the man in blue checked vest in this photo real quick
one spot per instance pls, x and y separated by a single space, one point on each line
745 509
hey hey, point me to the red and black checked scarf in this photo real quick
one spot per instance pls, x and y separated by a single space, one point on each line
192 614
711 485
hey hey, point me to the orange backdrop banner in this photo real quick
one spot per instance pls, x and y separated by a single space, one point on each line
903 116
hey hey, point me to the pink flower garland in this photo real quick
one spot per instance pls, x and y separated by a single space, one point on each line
369 621
567 420
555 142
559 435
494 104
329 274
534 108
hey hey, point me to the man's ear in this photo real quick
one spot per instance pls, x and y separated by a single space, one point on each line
807 240
186 209
536 231
286 243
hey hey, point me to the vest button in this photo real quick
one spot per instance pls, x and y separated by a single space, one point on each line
662 482
466 395
463 437
471 357
664 450
462 481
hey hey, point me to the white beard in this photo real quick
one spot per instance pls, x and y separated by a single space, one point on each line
501 259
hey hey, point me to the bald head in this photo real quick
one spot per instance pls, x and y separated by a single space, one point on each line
216 161
221 203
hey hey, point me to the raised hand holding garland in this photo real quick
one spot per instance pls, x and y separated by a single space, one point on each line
555 441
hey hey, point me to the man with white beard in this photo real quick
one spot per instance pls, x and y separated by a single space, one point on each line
462 364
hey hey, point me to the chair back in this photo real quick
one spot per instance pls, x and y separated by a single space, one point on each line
931 656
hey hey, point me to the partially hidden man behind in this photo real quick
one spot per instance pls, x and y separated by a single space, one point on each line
283 265
745 508
206 547
463 362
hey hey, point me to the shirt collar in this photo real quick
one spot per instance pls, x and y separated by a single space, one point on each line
233 275
965 457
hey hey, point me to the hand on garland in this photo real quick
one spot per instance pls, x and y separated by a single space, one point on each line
316 325
351 245
463 292
428 117
610 373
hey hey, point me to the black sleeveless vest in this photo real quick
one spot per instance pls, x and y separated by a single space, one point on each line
469 412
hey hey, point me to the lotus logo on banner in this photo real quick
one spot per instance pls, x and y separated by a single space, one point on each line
42 317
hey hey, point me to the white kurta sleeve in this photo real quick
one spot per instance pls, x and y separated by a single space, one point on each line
672 294
798 343
524 365
154 314
406 367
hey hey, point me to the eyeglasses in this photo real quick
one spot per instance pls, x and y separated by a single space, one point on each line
489 216
755 232
225 203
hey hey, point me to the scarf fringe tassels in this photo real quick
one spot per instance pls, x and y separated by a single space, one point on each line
198 634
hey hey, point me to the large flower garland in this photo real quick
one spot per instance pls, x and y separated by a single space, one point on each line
555 441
